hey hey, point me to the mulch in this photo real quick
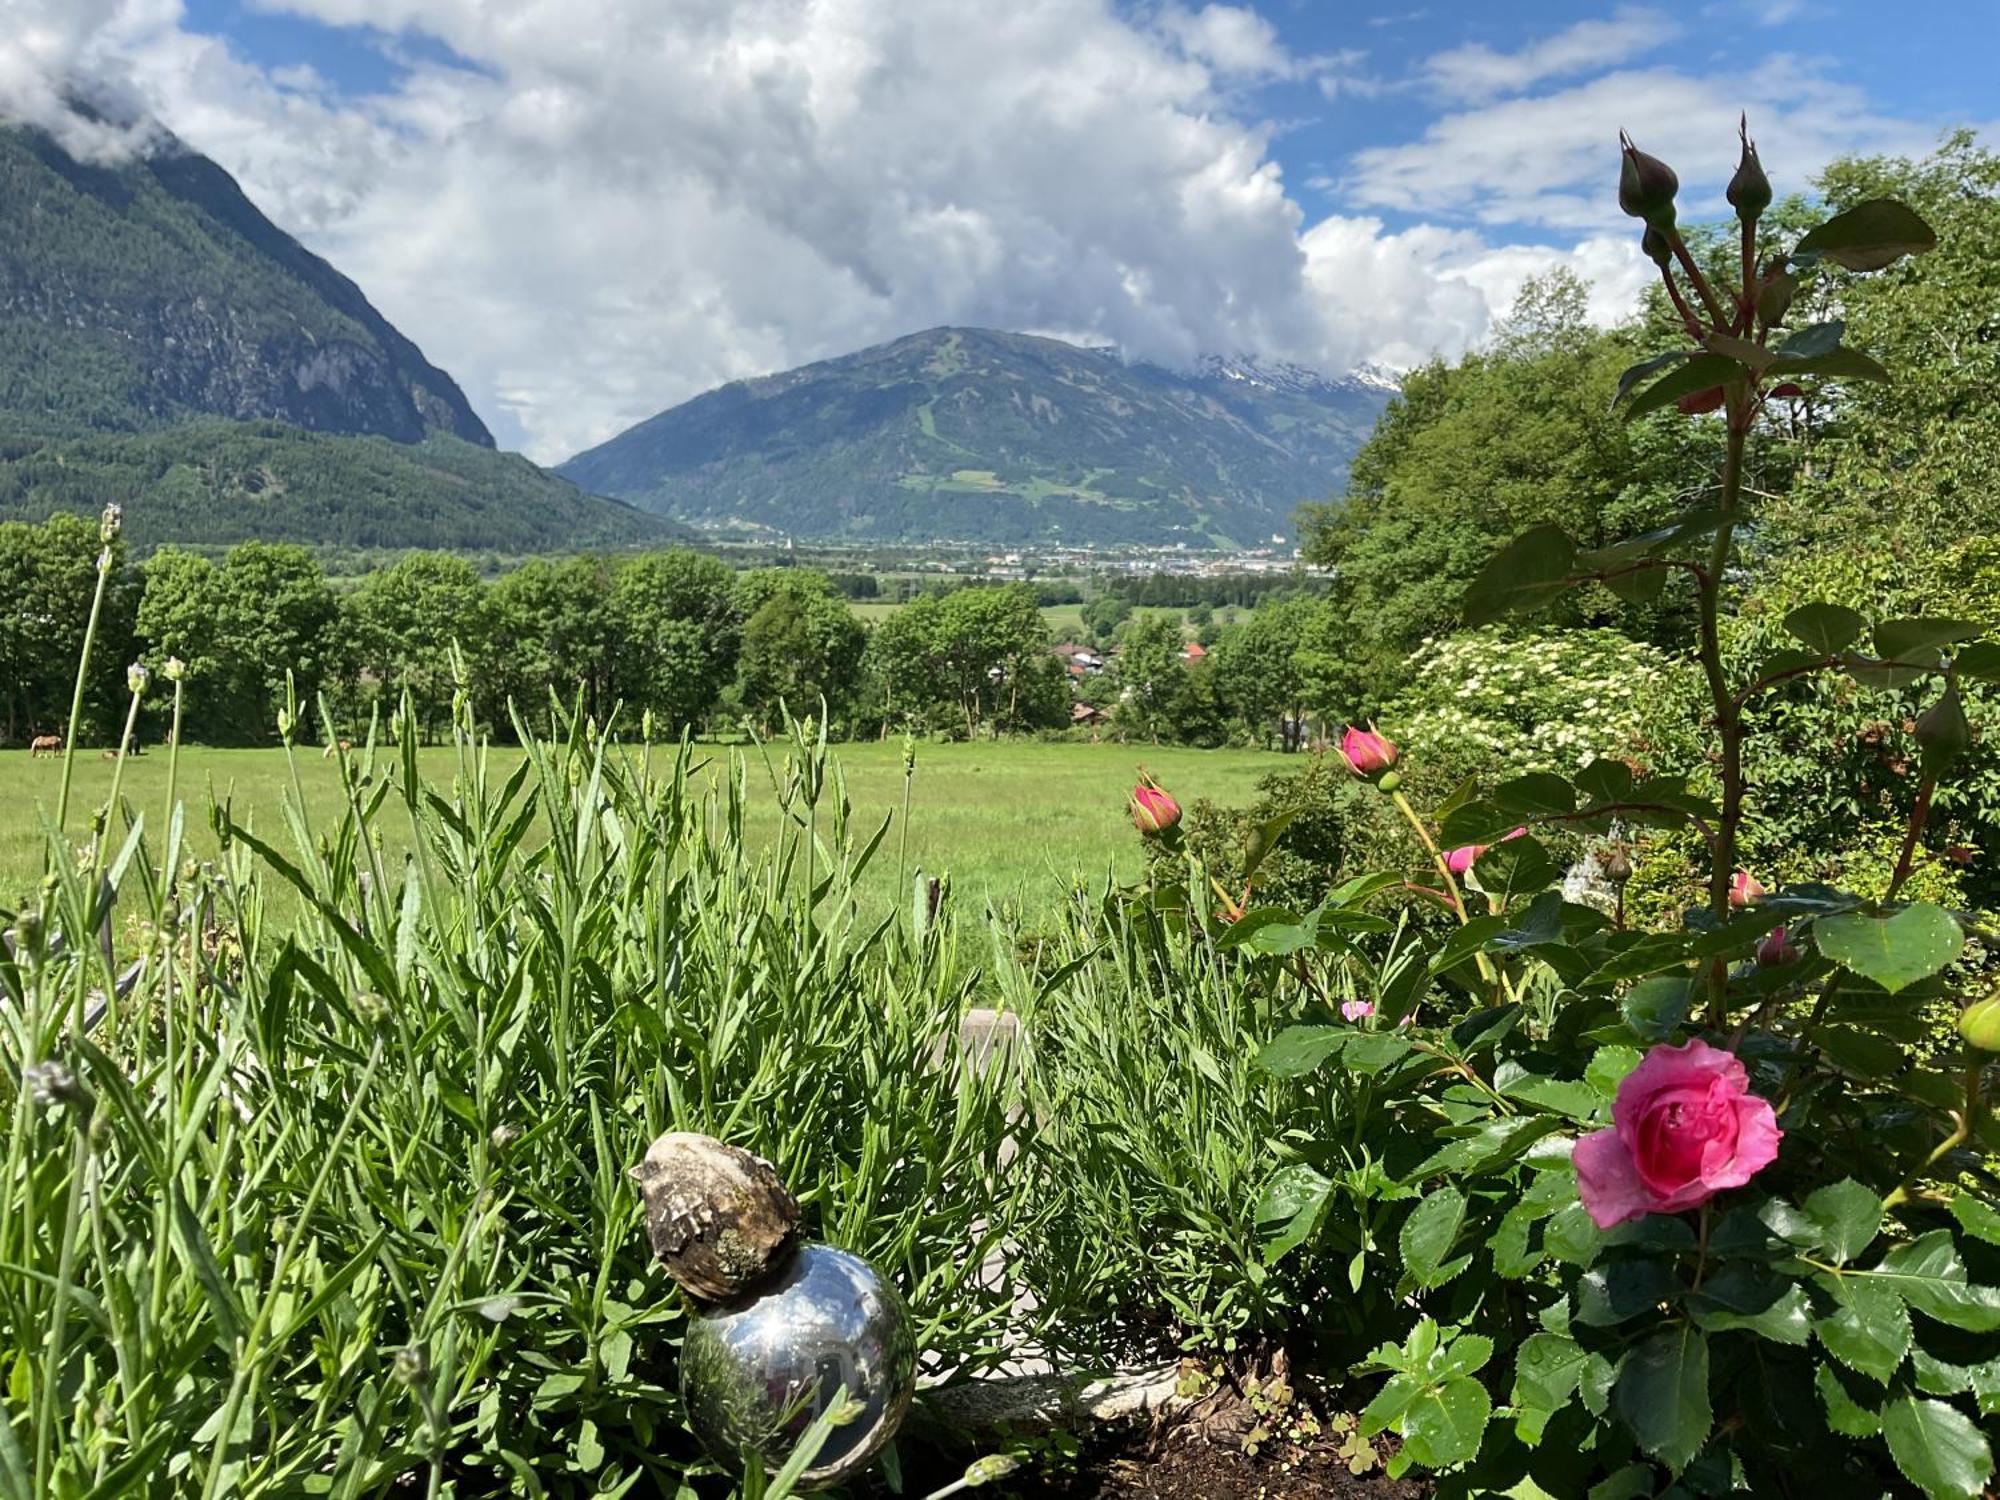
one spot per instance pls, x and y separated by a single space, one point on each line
1175 1464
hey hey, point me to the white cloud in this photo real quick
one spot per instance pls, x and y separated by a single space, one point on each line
1552 159
1232 39
1475 71
621 203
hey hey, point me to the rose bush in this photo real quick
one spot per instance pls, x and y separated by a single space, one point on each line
1695 1207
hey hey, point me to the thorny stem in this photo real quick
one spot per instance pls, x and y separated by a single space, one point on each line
1919 815
1709 300
1728 712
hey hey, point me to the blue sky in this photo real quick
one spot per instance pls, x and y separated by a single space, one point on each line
588 210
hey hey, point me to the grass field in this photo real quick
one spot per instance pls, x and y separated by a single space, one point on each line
1007 821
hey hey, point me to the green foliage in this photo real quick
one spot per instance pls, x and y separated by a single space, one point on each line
1469 454
973 658
213 483
344 1202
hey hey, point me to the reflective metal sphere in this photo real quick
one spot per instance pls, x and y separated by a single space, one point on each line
756 1374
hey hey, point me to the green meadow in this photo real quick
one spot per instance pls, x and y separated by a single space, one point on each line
1007 821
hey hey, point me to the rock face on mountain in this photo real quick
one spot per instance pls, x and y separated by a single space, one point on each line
165 346
151 290
972 434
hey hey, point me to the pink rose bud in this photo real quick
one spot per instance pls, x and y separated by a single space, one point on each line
1777 948
1366 751
1356 1010
1459 860
1684 1127
1745 889
1153 811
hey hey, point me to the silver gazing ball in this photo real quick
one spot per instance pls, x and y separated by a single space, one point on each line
756 1374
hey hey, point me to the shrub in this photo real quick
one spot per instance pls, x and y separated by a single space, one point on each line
1713 1199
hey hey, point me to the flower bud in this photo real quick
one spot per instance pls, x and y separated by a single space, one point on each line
29 934
1979 1024
1367 753
411 1365
1459 860
1777 948
136 678
1646 186
371 1007
988 1469
113 519
1774 296
50 1083
174 669
1745 889
1749 191
1656 248
1153 811
503 1136
1942 732
1356 1010
1617 865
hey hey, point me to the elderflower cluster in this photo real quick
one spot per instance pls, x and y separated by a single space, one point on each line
1542 702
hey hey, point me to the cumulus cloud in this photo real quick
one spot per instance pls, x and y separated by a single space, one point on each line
588 210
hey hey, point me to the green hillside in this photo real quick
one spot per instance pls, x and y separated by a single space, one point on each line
971 434
166 347
214 482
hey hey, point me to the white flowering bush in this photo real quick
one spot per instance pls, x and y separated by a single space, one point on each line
1543 701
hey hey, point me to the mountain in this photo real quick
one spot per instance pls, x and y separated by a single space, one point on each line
148 311
971 434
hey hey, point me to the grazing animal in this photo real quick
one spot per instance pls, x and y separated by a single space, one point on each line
44 744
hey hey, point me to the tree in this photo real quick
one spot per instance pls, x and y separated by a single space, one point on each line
1151 675
1511 436
1260 676
405 619
978 655
48 577
678 632
554 633
801 642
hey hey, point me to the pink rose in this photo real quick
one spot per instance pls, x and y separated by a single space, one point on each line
1366 751
1685 1126
1745 889
1459 860
1777 948
1356 1010
1153 811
